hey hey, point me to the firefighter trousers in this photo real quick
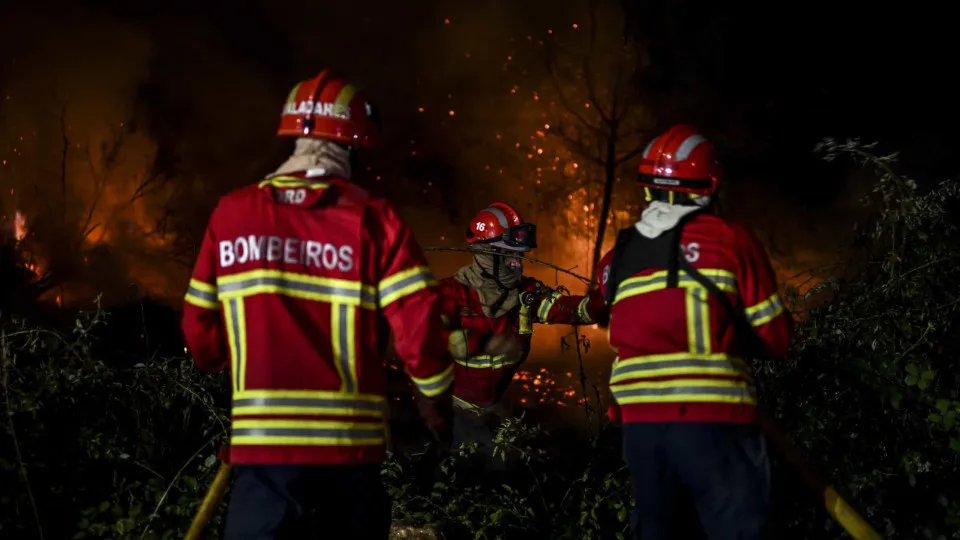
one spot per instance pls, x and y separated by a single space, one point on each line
277 502
721 470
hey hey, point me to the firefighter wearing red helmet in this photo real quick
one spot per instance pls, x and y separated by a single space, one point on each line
293 281
693 298
489 308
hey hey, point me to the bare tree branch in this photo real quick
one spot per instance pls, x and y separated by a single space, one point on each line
629 155
577 145
561 96
64 153
588 60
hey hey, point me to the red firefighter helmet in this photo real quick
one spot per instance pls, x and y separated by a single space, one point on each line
680 160
329 107
500 225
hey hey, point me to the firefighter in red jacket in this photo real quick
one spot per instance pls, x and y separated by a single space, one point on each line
489 308
693 298
294 279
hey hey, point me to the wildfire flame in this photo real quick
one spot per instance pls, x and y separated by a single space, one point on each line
19 226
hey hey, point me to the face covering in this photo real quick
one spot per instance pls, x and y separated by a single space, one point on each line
497 298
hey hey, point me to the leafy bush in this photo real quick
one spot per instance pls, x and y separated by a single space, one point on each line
98 446
871 389
97 443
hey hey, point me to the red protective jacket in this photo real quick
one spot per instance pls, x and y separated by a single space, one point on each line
480 379
293 285
679 358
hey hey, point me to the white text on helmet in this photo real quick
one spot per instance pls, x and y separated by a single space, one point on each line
289 250
331 110
666 181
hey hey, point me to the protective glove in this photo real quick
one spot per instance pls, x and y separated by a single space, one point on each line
534 293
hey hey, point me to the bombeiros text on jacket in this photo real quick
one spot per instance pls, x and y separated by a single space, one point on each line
310 253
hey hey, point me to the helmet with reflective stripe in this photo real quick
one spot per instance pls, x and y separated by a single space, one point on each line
500 225
680 160
329 107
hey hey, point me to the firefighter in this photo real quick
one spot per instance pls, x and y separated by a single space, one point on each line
489 308
693 298
295 277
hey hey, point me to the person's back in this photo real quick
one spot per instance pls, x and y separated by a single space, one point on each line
682 339
693 299
296 281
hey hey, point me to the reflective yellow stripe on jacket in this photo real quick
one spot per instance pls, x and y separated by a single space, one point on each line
344 297
630 380
202 295
361 418
459 349
435 385
582 311
404 283
543 312
764 312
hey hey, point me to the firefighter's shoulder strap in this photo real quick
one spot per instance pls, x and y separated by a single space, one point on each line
634 253
741 325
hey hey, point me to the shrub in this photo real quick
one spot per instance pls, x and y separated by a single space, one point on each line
871 389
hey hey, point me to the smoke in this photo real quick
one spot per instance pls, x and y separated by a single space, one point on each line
190 107
119 139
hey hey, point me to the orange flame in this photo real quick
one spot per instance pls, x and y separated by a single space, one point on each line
19 226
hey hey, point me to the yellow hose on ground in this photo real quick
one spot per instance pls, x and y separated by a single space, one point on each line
839 509
210 503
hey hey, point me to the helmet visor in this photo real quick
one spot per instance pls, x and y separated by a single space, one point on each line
522 236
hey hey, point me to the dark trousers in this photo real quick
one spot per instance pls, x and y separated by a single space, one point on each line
270 502
722 469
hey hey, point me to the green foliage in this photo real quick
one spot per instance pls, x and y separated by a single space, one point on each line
102 448
95 444
550 489
871 389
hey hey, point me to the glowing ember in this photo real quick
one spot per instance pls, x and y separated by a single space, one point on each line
542 387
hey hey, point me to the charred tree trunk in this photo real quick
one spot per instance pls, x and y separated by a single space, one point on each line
611 178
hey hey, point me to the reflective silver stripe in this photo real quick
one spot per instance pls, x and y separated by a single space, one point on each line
276 281
235 329
582 311
424 276
316 433
546 305
624 369
687 147
773 306
641 282
686 390
432 387
646 151
500 217
202 295
486 362
320 404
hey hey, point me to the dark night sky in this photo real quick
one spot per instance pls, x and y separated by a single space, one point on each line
204 86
